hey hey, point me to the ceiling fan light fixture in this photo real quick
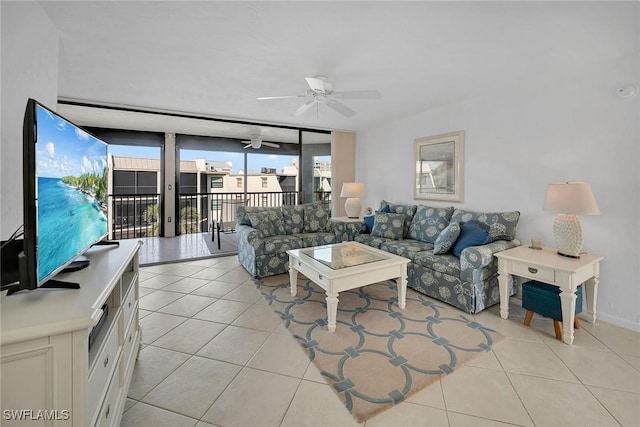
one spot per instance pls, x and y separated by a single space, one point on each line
320 90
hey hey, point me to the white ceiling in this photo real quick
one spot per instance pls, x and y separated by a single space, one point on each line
216 58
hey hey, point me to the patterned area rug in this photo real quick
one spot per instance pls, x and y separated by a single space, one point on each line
379 355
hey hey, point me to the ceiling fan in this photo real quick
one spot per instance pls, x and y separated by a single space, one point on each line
321 92
257 142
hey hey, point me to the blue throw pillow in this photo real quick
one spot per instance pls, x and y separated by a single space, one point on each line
471 234
369 220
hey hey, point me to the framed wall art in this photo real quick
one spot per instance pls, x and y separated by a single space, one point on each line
440 167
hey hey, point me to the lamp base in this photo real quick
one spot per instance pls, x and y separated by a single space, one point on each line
567 232
352 207
569 255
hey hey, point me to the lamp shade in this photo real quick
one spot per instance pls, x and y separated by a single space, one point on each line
353 189
570 198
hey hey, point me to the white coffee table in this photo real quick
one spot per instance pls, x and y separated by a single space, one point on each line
344 266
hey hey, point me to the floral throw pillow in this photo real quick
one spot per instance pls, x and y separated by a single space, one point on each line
293 218
269 222
316 217
428 223
407 210
388 225
500 225
446 239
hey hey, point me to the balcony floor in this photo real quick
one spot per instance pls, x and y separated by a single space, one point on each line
159 250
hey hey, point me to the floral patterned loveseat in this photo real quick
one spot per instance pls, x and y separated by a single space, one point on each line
444 265
265 234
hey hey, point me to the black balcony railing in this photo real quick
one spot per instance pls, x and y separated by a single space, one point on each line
199 211
134 216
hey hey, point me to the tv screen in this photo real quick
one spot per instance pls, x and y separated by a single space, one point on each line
65 190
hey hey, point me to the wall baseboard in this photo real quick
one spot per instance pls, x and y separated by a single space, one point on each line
615 320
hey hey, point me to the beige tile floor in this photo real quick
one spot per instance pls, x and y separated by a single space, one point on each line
215 354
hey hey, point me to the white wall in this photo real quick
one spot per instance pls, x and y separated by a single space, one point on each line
567 126
29 70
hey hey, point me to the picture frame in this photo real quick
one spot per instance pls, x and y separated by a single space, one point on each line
439 167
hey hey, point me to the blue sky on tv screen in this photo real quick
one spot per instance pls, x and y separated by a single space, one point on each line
65 150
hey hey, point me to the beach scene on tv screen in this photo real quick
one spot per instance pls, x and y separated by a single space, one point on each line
71 168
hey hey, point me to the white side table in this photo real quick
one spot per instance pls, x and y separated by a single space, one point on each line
547 266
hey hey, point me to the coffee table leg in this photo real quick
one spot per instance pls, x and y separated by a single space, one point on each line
293 277
332 310
401 283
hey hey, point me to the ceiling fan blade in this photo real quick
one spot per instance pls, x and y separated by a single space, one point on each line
304 107
340 108
358 94
281 97
316 84
271 144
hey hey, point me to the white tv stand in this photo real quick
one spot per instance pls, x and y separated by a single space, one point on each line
49 377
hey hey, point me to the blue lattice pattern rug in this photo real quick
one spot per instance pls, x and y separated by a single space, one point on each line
379 355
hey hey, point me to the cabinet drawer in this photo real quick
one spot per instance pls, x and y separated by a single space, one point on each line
131 343
107 415
538 273
128 305
105 363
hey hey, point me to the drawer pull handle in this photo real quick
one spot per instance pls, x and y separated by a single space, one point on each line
129 304
299 263
106 361
129 338
106 413
532 270
320 276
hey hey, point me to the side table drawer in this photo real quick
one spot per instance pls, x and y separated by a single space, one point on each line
538 273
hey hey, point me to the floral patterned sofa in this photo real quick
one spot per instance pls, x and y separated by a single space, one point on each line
451 250
265 234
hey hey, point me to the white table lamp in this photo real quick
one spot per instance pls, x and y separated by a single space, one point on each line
353 191
568 199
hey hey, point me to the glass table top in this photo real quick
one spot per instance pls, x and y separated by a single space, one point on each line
341 256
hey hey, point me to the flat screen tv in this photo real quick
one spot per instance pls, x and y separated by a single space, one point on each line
65 196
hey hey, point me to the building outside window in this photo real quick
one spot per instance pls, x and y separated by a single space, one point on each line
188 183
134 197
217 182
